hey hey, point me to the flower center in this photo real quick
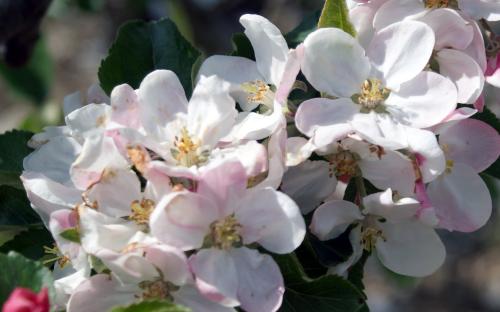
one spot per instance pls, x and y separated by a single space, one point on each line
372 96
258 92
187 151
158 289
344 163
141 210
225 233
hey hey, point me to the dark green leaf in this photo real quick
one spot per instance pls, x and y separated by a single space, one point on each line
242 46
7 233
142 47
152 306
17 271
335 14
34 79
307 26
333 251
71 234
13 149
356 272
29 243
15 208
328 293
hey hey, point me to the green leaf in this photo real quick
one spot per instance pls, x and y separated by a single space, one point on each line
18 271
142 47
8 233
152 306
356 272
13 149
242 46
33 80
335 14
15 209
299 34
329 293
29 243
71 234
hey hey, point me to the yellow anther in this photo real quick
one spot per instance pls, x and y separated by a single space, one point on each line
139 157
158 289
187 150
225 233
258 92
435 4
449 165
344 163
141 210
369 237
61 259
372 96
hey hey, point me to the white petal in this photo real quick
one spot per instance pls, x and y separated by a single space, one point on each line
410 248
400 51
332 218
461 199
334 62
487 9
260 284
216 276
451 30
171 261
54 159
393 11
362 19
190 297
380 129
464 72
271 49
125 106
429 155
382 204
272 219
161 98
423 101
182 219
88 120
476 49
72 102
309 184
292 68
211 111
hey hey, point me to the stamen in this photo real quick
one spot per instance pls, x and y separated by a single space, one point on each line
344 163
158 289
188 151
141 210
225 233
372 96
258 92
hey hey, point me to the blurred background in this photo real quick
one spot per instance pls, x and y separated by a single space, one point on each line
75 36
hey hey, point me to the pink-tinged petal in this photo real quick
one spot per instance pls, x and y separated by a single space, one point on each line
161 97
423 101
298 149
471 142
191 297
380 129
461 199
125 106
410 248
158 185
452 30
54 158
392 170
252 155
429 155
95 94
182 219
98 155
480 103
171 261
487 9
272 219
216 276
235 70
276 154
25 300
211 111
88 120
458 114
362 17
72 102
334 62
292 68
260 284
223 182
66 284
309 184
464 72
399 52
271 49
383 204
333 115
493 71
128 267
332 218
173 170
104 193
48 133
394 11
100 293
476 49
47 196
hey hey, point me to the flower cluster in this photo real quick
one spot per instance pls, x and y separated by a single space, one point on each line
151 195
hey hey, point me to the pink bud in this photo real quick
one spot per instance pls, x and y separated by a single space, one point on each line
25 300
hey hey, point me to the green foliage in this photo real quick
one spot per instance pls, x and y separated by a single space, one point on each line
242 46
15 209
29 243
13 149
335 14
142 47
152 306
34 79
71 234
328 293
17 271
307 26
